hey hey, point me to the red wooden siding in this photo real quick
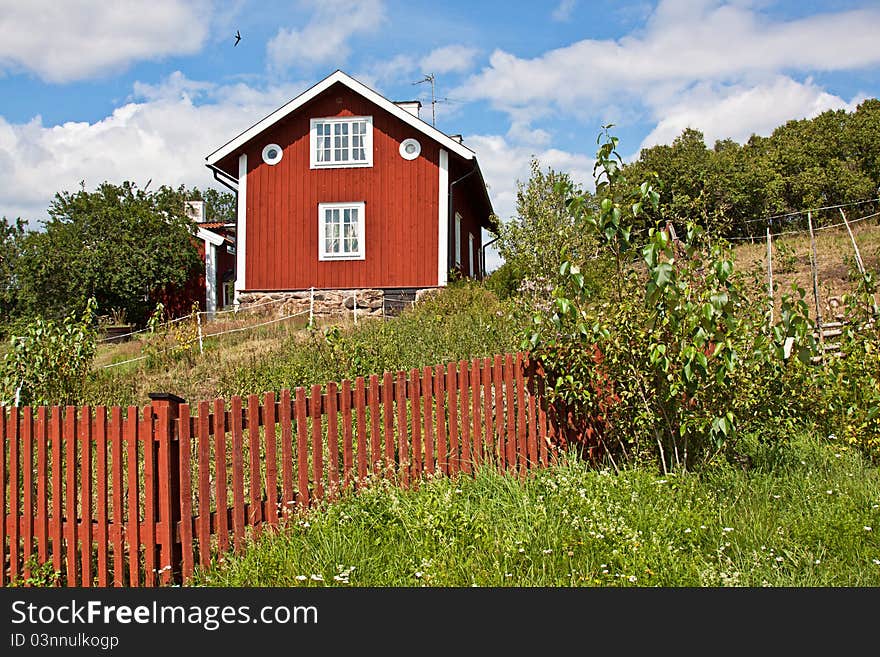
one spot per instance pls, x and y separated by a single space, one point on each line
401 199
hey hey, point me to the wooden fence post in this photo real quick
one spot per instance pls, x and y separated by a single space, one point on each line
166 485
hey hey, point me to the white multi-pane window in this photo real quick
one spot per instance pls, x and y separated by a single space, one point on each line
342 142
341 231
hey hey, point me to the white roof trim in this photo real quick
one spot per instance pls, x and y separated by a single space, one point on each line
357 87
210 236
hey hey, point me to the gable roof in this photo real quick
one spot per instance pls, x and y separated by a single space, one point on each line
338 76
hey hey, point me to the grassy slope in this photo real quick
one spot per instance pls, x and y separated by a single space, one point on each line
463 322
791 263
808 516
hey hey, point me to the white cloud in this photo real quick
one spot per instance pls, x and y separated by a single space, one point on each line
563 10
449 59
163 133
684 41
78 39
738 111
324 39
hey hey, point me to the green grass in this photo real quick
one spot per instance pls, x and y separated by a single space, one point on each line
805 515
464 321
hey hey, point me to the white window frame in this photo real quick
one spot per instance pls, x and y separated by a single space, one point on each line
323 255
457 239
341 164
471 242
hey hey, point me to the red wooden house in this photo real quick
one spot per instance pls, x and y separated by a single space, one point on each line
343 189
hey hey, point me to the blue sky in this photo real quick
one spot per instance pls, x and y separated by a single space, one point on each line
134 90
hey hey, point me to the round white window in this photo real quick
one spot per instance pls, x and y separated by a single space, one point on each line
410 149
272 154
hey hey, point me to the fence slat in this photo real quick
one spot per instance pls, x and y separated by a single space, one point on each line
302 447
85 521
510 408
56 524
101 492
375 434
464 400
27 487
203 429
427 402
521 448
440 418
388 423
237 474
317 444
221 499
402 432
332 440
132 431
360 400
151 490
186 511
347 436
476 433
3 496
416 413
488 441
271 459
454 458
71 511
286 453
115 436
542 423
14 525
533 433
42 524
498 392
255 517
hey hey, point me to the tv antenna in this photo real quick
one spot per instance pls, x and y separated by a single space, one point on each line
430 78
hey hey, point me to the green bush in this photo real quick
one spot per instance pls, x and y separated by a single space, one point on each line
678 359
48 362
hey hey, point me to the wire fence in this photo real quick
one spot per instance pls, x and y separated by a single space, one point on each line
390 304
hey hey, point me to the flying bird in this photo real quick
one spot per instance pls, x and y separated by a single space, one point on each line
237 38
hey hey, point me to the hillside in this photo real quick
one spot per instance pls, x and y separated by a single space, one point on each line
836 267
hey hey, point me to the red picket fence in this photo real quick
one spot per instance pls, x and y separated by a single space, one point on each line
143 497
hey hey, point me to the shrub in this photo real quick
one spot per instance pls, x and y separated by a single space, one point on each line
48 362
678 358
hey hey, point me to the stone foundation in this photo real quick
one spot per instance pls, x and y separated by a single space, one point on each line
329 303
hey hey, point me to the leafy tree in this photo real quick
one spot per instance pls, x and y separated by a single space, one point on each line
11 237
544 233
831 159
118 244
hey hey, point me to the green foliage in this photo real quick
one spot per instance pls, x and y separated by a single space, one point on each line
11 237
172 341
544 233
48 363
679 359
847 388
118 244
504 281
804 516
830 159
461 322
